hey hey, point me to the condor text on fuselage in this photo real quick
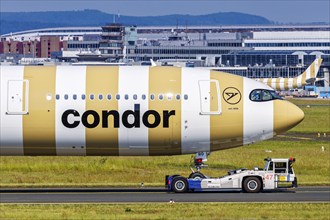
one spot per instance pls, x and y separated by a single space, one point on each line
134 123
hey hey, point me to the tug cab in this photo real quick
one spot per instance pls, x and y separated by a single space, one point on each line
282 169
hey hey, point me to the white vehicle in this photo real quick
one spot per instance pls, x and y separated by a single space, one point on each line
275 172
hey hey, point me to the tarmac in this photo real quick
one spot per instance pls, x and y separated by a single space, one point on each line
133 195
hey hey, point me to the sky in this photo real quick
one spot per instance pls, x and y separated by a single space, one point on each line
283 11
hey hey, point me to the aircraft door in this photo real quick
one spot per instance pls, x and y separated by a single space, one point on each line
210 97
18 97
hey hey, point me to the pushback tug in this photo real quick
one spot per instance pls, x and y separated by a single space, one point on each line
272 176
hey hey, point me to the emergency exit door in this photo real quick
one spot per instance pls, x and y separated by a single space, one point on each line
17 97
210 97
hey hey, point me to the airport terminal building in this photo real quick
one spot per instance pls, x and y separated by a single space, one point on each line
253 51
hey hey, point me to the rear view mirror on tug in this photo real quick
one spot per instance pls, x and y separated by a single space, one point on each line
275 174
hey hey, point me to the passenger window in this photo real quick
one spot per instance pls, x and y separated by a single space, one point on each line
178 97
185 97
152 96
49 97
91 97
117 96
144 97
57 96
66 96
160 96
169 96
109 96
74 97
100 96
135 96
83 96
126 97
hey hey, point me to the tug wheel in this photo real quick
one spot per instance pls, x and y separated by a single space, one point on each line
197 176
180 184
252 185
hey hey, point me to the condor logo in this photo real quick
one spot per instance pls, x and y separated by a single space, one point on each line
115 114
232 95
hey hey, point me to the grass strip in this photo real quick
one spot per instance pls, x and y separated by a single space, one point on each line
312 166
167 211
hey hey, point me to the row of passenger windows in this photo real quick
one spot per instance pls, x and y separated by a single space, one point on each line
118 97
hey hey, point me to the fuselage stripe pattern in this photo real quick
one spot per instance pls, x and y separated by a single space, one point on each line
101 91
166 114
39 124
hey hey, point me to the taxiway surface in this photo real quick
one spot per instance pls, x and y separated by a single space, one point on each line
110 195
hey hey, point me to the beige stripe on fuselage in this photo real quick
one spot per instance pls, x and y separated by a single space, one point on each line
295 82
278 84
39 124
269 82
286 83
162 140
312 73
102 81
227 128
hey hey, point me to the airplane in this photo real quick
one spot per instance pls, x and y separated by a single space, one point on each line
307 77
135 111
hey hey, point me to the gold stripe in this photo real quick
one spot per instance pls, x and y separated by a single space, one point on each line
278 84
213 97
102 80
303 78
286 83
286 116
227 129
312 70
24 96
280 116
319 64
269 82
164 80
39 124
295 84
